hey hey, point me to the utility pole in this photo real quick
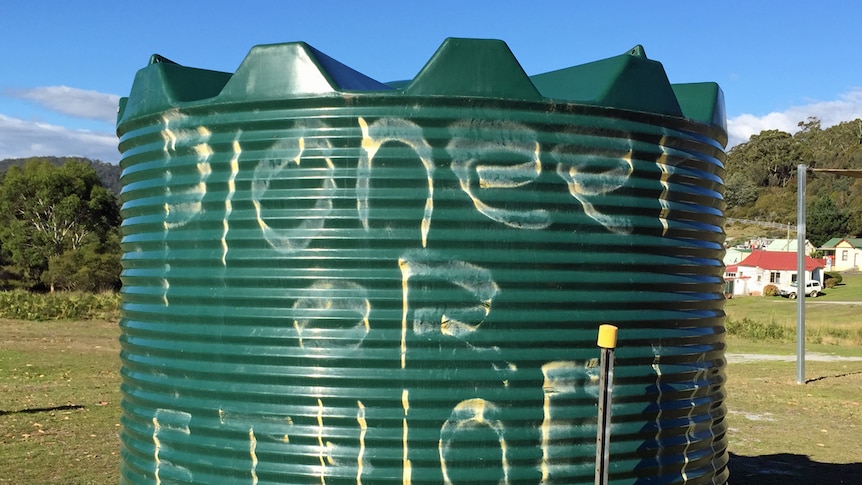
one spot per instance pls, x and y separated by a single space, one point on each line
800 273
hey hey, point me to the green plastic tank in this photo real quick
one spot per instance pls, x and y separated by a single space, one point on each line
328 279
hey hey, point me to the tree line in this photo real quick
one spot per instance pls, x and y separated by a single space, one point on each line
761 179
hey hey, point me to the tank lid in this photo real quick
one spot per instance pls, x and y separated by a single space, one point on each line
484 68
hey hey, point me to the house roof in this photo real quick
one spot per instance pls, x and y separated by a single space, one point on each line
779 261
731 269
856 242
784 245
831 243
735 255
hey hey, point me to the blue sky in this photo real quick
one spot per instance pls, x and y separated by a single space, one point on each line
64 64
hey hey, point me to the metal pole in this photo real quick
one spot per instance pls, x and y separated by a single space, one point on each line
607 342
800 273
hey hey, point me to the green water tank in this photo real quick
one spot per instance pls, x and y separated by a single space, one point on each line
328 279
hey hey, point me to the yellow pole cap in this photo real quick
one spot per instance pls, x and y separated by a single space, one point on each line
607 336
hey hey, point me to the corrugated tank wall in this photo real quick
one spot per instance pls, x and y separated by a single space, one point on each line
331 280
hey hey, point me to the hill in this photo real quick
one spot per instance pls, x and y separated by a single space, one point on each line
761 180
108 173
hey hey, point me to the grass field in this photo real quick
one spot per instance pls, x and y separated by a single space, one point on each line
59 409
826 320
782 432
59 402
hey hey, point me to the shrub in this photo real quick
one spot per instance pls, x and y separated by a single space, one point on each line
753 330
24 305
770 290
834 275
772 331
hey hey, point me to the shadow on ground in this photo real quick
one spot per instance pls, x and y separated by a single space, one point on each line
43 410
787 469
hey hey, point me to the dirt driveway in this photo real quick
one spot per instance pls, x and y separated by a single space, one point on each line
809 356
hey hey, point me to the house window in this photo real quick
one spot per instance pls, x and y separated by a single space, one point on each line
731 275
844 255
774 277
793 278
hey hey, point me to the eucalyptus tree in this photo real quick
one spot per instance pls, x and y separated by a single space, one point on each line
48 211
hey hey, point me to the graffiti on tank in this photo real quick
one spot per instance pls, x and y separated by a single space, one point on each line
477 150
485 156
450 318
669 162
472 420
288 153
407 466
564 383
169 429
361 462
387 130
184 204
328 303
247 421
585 182
252 453
467 420
489 160
231 190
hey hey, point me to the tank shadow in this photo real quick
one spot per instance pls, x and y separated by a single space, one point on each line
786 468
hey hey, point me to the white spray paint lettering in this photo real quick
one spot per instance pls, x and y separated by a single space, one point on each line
486 157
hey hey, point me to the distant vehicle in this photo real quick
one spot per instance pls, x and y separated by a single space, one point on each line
812 289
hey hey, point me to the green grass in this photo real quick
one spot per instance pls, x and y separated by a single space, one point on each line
774 318
739 345
59 402
850 289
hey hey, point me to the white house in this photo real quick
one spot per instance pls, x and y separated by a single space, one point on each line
762 268
845 254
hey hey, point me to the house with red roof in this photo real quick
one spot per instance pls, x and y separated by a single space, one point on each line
761 268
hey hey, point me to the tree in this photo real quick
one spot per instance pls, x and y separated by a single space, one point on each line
824 220
768 159
740 191
46 211
92 267
766 166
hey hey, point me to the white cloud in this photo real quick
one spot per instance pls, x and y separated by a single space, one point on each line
78 103
847 107
20 138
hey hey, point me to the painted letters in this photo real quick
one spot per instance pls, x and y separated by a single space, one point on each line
373 137
286 153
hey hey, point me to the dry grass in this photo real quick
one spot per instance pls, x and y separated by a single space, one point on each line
784 432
